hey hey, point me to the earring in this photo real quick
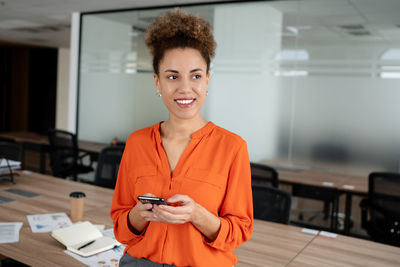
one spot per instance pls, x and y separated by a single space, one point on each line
207 93
158 93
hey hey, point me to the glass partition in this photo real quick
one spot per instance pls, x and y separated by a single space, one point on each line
305 83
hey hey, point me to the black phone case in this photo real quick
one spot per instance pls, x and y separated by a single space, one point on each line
152 200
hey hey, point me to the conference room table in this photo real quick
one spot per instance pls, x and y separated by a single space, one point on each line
346 251
270 245
348 184
40 143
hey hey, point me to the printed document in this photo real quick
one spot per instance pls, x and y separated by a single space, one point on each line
9 232
42 223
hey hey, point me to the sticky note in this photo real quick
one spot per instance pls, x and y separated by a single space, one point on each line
309 231
350 187
327 234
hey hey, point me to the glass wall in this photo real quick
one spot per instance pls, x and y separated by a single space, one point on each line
308 83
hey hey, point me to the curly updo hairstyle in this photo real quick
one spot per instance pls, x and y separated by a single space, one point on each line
178 29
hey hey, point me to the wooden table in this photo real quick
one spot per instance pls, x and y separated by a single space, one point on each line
40 143
40 249
346 251
348 184
21 137
272 244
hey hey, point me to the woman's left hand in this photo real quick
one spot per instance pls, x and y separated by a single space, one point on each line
176 215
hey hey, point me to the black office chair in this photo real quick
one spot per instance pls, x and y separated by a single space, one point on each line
271 204
383 208
108 166
263 175
9 151
65 160
330 197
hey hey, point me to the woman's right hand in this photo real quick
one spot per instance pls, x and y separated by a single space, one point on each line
140 215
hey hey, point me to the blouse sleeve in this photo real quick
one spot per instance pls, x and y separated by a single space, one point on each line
122 203
236 213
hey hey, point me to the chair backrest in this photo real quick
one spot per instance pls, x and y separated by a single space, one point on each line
384 207
263 175
384 184
271 204
11 150
63 151
108 166
384 193
315 192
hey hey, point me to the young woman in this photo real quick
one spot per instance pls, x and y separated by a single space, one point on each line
200 169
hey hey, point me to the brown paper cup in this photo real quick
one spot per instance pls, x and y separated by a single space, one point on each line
77 200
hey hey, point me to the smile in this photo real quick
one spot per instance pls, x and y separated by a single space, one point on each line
184 101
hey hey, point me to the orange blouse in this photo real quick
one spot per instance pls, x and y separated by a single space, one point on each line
214 170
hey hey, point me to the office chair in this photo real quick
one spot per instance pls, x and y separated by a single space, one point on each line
271 204
263 175
383 208
108 166
9 151
65 160
330 197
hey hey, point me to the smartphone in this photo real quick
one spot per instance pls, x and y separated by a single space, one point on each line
152 200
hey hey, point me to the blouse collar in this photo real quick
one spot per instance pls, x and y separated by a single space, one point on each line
205 130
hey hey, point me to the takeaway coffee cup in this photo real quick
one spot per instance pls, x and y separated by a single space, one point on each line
77 200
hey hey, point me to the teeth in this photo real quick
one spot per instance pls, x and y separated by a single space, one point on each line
184 101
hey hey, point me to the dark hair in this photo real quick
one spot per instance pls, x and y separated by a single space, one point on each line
179 29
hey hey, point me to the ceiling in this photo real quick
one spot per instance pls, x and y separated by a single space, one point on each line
47 22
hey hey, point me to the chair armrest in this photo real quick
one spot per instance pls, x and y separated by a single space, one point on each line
83 155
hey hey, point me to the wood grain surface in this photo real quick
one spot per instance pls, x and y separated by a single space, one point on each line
40 249
346 251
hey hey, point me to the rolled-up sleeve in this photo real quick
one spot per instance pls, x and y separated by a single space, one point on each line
236 213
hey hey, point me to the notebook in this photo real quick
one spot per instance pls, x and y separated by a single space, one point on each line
84 239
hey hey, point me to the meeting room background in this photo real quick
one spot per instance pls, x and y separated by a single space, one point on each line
313 83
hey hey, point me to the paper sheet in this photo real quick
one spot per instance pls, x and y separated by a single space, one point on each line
107 258
13 164
42 223
309 231
9 232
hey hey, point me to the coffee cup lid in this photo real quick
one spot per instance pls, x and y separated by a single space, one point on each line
77 194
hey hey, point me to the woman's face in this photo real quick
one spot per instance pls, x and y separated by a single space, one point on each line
183 82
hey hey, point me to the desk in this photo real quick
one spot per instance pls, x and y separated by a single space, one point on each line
346 251
350 185
270 245
40 143
40 249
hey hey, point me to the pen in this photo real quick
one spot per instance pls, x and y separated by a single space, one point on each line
85 245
